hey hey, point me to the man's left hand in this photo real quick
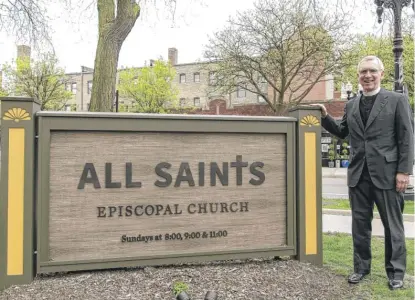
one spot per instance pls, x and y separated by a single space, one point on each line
402 181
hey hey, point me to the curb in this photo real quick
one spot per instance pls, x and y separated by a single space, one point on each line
334 176
343 212
334 172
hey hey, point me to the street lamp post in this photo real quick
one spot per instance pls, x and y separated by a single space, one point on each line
396 6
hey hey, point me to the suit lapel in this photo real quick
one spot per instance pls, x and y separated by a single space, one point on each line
377 107
356 112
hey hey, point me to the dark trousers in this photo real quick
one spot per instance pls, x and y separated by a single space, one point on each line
390 205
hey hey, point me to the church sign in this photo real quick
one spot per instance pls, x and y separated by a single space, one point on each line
119 190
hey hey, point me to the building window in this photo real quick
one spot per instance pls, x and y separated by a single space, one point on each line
182 102
212 77
89 87
241 92
196 101
196 77
182 78
73 88
263 85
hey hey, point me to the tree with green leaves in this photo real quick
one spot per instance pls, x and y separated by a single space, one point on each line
42 79
3 93
382 48
150 88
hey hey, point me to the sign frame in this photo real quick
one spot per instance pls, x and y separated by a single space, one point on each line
124 122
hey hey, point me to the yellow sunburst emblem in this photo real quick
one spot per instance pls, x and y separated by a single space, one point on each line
16 114
309 121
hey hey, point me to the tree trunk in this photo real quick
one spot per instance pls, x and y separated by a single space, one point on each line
113 30
105 75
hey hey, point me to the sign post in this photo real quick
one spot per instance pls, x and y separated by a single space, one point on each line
309 193
17 190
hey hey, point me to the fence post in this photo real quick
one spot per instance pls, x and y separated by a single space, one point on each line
17 159
309 191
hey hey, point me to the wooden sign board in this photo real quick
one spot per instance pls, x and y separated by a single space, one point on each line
108 190
154 194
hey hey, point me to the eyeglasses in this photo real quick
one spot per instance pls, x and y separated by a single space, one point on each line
371 71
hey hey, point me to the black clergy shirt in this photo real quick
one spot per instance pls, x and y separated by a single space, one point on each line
366 104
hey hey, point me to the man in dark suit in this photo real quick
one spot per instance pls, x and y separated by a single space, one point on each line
378 123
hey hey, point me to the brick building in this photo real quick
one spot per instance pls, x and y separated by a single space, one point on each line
192 81
80 84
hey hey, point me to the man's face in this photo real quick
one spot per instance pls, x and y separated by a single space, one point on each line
370 75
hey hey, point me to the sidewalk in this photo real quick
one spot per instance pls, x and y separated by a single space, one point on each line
342 172
341 221
334 172
328 173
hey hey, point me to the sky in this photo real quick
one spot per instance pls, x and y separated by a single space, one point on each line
74 33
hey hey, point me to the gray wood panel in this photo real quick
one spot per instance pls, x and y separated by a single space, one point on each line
76 233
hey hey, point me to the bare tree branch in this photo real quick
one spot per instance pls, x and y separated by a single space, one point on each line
291 45
26 20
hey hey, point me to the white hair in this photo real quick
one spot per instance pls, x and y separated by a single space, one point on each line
372 58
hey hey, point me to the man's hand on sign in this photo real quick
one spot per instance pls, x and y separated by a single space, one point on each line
322 108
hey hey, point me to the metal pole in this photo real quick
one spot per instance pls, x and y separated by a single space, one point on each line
116 101
396 6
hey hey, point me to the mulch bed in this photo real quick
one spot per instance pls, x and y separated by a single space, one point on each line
239 279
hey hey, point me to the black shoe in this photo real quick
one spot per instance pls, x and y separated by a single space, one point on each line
356 277
395 284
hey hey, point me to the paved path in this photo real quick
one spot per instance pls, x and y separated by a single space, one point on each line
334 182
335 188
337 220
342 173
341 223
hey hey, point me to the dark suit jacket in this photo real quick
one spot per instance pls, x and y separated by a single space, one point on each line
386 143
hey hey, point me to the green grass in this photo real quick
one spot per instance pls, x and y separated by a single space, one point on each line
344 204
338 257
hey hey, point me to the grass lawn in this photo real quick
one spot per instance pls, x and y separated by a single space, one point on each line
344 204
338 256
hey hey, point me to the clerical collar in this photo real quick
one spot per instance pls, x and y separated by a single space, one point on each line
372 93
